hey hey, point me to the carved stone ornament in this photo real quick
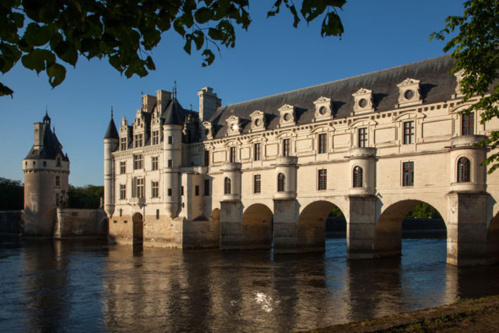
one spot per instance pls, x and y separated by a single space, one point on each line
287 115
257 120
233 126
363 101
409 93
323 108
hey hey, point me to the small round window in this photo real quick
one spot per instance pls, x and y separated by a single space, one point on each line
322 110
287 117
363 103
409 94
258 122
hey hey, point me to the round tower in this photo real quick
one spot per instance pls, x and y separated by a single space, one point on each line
111 141
172 140
46 173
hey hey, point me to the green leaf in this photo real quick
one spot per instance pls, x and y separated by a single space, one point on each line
4 90
203 15
208 57
36 35
38 60
56 74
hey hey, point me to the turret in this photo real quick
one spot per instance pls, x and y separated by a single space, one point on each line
111 140
172 139
46 173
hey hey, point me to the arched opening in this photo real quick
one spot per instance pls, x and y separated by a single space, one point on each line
493 240
463 170
281 182
415 221
104 228
357 177
138 229
227 185
318 221
256 227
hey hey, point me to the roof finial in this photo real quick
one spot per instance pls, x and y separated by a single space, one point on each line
112 112
175 89
54 130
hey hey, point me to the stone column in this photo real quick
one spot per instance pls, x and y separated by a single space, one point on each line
361 225
285 226
231 213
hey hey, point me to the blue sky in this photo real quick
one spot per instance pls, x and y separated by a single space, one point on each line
271 57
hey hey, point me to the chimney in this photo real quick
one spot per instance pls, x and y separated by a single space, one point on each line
39 134
163 97
208 103
148 102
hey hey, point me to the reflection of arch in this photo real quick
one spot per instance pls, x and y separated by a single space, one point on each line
388 233
312 224
493 239
256 226
138 229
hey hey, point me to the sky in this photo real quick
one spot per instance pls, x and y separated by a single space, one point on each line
270 58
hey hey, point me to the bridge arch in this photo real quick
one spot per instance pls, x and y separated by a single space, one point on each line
311 226
388 230
138 229
257 227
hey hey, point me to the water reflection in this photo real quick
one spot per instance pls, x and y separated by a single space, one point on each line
89 287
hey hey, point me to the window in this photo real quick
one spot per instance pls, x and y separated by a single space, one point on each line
157 214
58 161
206 187
44 163
196 190
257 184
155 189
285 147
154 163
170 192
232 155
463 170
123 143
281 183
408 173
362 137
227 185
170 140
468 124
57 181
123 167
322 143
357 176
140 187
155 137
408 132
206 158
257 151
181 190
138 140
122 191
170 163
322 184
137 162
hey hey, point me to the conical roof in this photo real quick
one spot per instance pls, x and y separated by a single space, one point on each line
112 132
173 114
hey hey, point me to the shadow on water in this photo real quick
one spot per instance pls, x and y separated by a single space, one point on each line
57 286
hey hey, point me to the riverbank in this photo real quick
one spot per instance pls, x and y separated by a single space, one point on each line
476 315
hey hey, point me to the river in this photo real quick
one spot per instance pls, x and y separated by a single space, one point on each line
89 287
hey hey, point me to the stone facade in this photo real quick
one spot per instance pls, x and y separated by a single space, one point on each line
267 172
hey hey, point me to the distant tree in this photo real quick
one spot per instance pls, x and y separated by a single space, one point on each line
42 34
11 194
85 197
424 211
336 212
476 50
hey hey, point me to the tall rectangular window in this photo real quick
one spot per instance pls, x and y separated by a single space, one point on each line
206 187
122 191
257 151
123 143
155 137
154 163
257 184
138 140
139 187
206 158
170 192
362 137
170 140
57 181
286 147
137 161
155 189
468 124
322 181
196 190
322 143
170 163
232 154
408 173
408 132
122 167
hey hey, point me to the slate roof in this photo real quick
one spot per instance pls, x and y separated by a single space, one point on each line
173 114
112 132
435 82
51 145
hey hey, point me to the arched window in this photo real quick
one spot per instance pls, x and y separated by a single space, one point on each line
281 183
357 176
463 170
227 185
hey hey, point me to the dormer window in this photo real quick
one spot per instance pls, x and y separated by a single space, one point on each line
287 115
257 121
234 127
409 93
207 130
363 101
323 108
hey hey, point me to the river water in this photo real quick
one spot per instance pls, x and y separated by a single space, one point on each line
90 287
